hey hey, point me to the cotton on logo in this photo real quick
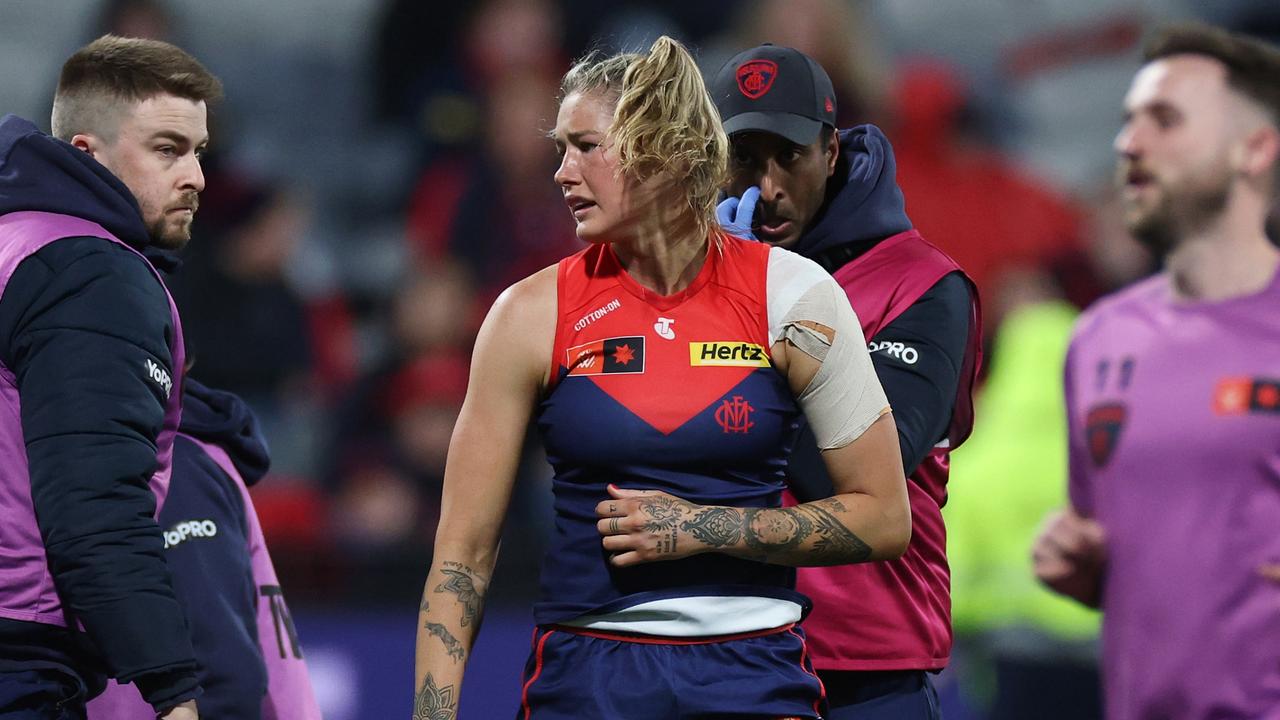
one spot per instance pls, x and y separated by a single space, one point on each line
663 328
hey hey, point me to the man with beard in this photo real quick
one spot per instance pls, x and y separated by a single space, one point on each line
1173 399
90 379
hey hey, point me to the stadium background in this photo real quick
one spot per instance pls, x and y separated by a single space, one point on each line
379 172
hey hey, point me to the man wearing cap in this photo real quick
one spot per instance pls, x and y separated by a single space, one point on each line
877 629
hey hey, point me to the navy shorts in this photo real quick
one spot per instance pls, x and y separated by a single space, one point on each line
573 675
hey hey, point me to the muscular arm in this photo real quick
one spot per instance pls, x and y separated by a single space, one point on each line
508 370
918 358
867 519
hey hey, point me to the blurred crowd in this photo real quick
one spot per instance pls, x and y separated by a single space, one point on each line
372 189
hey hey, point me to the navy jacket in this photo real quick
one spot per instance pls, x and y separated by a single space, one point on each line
864 206
207 537
72 320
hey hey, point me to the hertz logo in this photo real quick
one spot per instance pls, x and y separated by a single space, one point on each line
730 354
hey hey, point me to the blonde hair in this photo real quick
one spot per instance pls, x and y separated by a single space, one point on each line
664 120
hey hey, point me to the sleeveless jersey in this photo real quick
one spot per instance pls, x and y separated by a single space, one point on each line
673 393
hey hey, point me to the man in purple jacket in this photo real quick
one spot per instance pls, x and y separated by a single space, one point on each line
1173 399
90 379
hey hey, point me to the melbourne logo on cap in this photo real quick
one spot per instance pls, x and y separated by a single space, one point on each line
755 77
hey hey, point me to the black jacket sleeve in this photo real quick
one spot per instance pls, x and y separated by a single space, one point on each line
207 544
917 358
79 322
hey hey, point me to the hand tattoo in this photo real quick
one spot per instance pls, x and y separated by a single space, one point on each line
663 512
717 526
451 644
664 518
435 703
460 583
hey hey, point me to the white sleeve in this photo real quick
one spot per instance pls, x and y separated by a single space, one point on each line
845 397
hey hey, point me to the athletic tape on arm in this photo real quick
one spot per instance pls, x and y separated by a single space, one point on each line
844 398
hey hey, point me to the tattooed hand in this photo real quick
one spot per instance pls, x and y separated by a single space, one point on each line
646 525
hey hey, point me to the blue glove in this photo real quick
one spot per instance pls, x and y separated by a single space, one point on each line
735 214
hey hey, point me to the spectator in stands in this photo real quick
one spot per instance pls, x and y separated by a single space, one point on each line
968 199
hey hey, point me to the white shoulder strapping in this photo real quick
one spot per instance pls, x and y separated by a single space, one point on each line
845 397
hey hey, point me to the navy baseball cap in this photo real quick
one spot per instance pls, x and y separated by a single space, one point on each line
774 89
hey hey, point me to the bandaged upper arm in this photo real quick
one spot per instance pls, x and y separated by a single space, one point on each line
809 310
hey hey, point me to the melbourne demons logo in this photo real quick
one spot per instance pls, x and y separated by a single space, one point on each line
734 415
755 77
1103 424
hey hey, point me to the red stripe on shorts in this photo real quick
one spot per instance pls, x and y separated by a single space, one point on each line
804 665
537 670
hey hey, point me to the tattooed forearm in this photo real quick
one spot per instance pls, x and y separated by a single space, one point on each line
775 531
460 581
835 541
716 526
451 644
780 531
435 703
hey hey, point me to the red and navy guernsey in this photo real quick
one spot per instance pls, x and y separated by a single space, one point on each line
674 393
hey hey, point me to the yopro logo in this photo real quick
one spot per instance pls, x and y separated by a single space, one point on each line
160 376
188 529
901 351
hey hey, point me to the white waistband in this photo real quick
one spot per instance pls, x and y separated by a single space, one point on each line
696 616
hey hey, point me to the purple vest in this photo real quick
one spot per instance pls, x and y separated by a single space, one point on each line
26 588
290 695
